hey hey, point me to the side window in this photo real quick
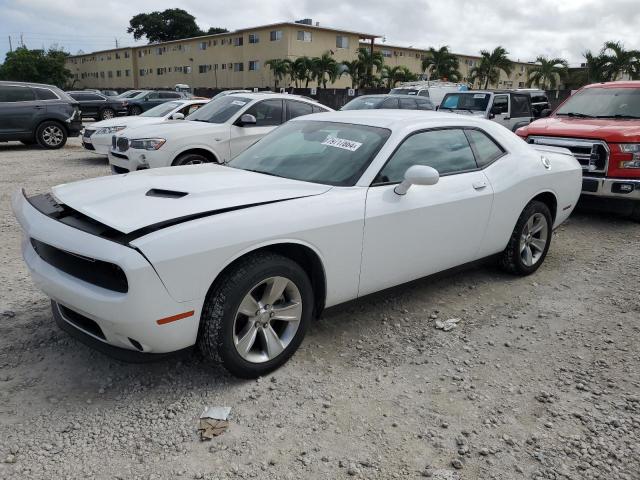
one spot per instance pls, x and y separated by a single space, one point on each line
408 104
390 103
447 150
189 109
520 106
81 97
45 94
485 148
423 93
317 109
424 104
11 94
94 98
297 109
268 113
153 96
502 102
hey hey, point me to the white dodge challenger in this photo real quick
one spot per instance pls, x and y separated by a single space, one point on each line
237 259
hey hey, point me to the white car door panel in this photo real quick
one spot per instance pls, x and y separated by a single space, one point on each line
430 229
243 137
269 114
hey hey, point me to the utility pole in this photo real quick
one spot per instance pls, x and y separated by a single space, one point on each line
10 45
21 41
116 42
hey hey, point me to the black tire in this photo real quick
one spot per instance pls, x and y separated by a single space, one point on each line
107 113
511 259
135 110
51 135
190 159
215 337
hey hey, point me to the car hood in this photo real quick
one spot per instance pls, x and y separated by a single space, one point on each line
154 197
125 121
608 129
174 128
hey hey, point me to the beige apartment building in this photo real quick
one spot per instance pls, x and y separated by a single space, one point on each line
237 59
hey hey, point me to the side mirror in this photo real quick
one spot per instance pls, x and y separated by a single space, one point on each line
247 119
496 109
545 113
417 175
177 116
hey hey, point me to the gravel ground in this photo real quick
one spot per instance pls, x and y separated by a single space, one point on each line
540 379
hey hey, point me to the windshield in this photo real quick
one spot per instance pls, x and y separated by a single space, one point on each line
314 151
161 110
219 110
404 91
603 103
476 102
364 103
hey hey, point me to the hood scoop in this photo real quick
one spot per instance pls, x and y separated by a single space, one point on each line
159 192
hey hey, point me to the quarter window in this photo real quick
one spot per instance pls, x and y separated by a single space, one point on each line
486 150
447 150
45 94
268 113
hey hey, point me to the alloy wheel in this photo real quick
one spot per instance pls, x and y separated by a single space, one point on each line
52 135
534 238
267 319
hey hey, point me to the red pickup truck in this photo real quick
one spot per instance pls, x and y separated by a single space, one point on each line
600 124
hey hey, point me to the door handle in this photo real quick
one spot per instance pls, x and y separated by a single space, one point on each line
479 185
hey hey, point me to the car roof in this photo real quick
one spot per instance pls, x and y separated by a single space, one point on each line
271 95
27 84
391 119
619 84
385 95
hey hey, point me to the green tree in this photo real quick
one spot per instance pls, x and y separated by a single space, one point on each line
595 67
301 70
369 61
442 64
280 68
547 72
491 64
216 30
619 62
390 76
355 70
325 69
39 66
170 24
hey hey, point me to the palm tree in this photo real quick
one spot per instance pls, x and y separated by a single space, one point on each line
595 67
301 70
280 69
323 67
491 63
442 64
620 62
547 72
355 70
393 75
369 60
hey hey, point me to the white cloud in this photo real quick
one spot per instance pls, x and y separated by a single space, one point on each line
525 28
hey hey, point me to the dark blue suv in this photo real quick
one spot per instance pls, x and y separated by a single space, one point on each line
148 100
36 113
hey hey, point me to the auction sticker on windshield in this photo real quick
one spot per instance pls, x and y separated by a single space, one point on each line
239 103
342 143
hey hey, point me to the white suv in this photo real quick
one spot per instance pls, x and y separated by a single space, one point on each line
216 132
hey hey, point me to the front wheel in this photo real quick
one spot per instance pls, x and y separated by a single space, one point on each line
135 110
256 315
107 113
190 159
530 240
51 135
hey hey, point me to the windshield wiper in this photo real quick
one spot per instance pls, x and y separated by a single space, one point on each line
577 115
264 173
618 115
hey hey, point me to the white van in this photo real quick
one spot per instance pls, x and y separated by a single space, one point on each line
434 90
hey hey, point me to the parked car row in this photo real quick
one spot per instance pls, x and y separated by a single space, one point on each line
103 107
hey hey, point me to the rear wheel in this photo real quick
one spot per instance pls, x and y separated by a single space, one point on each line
256 315
135 110
530 240
107 113
190 159
51 135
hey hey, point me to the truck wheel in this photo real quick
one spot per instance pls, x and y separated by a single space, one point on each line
51 135
256 315
530 240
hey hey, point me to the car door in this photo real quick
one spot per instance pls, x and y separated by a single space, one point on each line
18 111
521 112
500 109
88 107
268 113
430 228
297 109
151 100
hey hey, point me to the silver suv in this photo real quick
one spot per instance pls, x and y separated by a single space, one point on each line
508 108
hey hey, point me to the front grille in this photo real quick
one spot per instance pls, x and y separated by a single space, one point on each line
88 132
593 155
88 146
97 272
82 322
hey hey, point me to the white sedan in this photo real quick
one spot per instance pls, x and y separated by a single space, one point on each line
238 259
96 137
215 133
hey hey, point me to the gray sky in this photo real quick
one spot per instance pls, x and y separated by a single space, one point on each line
526 28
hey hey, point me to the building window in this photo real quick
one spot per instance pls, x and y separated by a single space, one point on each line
142 72
275 35
204 68
126 54
254 38
342 41
224 66
215 66
202 46
386 53
127 72
238 41
117 55
161 70
186 69
118 73
254 65
304 36
110 74
101 74
238 67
